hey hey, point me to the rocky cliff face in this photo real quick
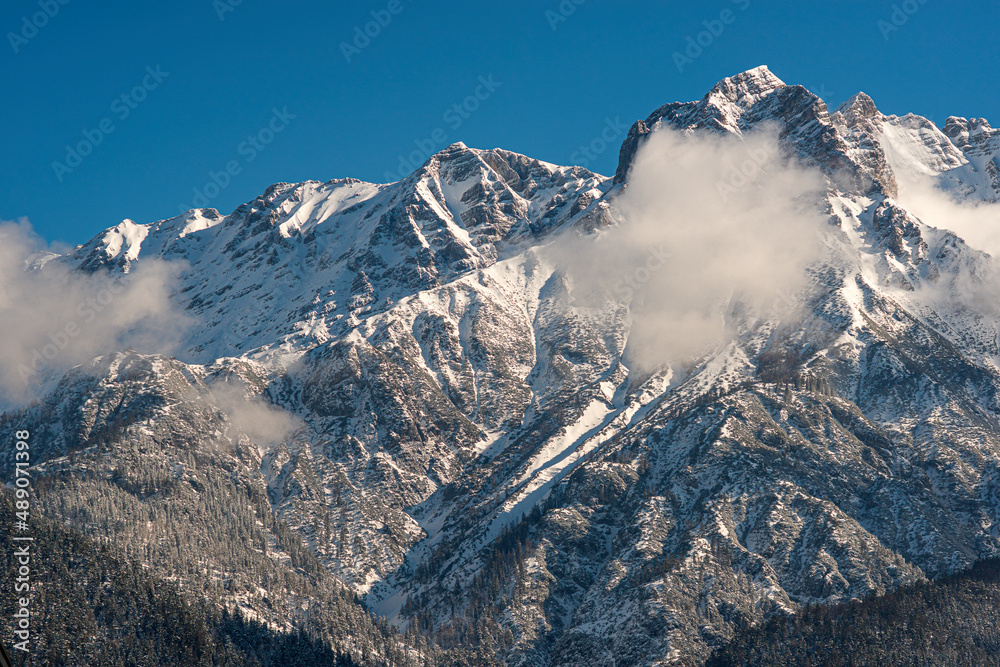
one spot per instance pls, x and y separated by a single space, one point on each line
463 442
756 97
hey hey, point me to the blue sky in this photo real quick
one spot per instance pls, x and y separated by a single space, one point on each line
224 97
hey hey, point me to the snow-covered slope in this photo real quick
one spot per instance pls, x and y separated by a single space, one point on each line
304 262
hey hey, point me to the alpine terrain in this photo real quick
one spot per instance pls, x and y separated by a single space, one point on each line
400 426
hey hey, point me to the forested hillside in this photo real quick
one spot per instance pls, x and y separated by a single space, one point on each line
952 621
90 606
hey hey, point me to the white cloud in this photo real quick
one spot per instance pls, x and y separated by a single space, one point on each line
708 223
263 422
977 223
53 318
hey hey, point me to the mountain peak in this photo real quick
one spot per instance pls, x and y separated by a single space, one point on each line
453 151
456 152
857 107
973 125
755 83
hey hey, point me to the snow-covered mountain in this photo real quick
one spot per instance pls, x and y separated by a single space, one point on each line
304 263
456 436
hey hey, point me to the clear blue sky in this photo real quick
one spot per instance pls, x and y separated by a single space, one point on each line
606 60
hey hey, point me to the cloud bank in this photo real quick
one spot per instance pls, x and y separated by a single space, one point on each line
970 287
976 222
709 225
263 422
53 318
